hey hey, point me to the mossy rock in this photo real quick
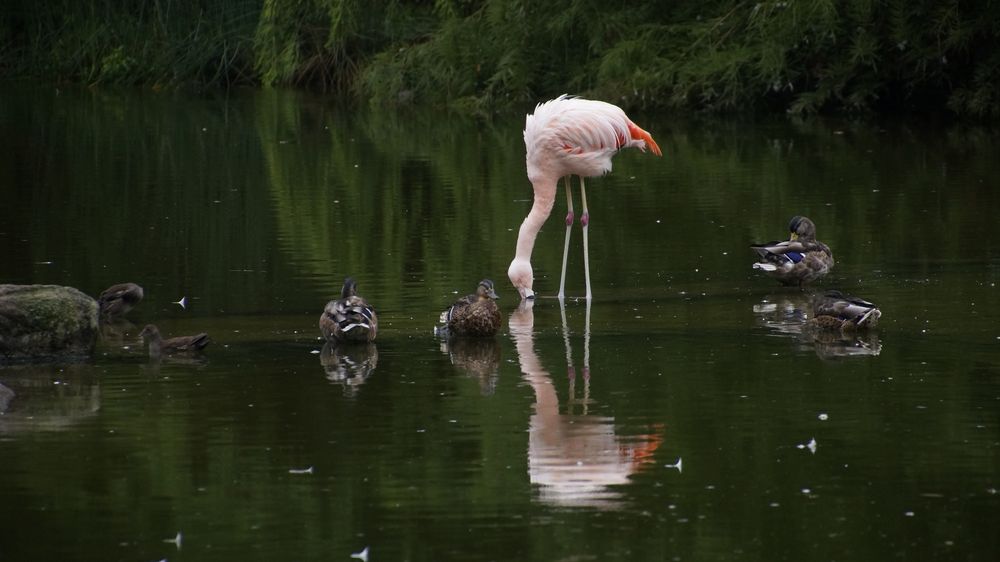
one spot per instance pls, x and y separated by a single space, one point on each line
40 322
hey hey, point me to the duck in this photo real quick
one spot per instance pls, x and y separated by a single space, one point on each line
473 315
799 260
117 300
181 344
833 310
349 318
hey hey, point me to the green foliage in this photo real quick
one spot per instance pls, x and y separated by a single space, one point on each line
322 43
800 56
120 42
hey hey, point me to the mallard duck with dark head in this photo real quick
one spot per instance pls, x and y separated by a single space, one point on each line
181 344
834 310
473 315
349 318
118 299
799 260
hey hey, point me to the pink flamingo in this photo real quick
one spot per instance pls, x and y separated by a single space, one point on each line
568 136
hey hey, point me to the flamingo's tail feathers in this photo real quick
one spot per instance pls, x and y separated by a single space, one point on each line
638 133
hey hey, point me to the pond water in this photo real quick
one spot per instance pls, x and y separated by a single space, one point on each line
681 416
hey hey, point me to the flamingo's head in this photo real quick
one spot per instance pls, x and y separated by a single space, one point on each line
522 277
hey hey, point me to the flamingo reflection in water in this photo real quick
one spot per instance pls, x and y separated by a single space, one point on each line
574 459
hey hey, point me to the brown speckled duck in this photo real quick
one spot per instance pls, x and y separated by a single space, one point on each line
799 260
473 315
349 318
181 344
834 310
118 299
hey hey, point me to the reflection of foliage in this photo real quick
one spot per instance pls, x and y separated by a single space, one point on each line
389 201
143 190
267 202
254 202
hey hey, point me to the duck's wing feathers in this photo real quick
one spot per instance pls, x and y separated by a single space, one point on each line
128 291
846 307
186 343
112 293
458 308
351 313
774 255
803 259
788 251
480 318
119 298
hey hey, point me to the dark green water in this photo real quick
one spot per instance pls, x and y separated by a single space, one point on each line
556 441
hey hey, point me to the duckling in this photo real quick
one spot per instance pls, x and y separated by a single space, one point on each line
350 318
799 260
834 310
181 344
473 315
118 299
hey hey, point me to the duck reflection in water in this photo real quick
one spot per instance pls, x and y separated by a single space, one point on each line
349 364
842 325
116 332
575 459
478 358
806 319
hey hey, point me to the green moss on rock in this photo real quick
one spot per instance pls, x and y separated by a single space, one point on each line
46 322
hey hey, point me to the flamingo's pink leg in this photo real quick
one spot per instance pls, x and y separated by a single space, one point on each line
585 219
569 227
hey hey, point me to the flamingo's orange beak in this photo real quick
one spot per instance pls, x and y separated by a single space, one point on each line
639 134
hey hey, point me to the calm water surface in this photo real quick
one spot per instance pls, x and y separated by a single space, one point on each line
683 416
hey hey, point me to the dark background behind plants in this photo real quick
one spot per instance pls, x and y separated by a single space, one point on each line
802 56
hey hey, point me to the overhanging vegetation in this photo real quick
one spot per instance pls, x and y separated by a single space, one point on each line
801 56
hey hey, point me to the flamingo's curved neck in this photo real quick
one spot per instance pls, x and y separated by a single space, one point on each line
545 194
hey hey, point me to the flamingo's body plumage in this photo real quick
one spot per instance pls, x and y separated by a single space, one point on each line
568 136
573 136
